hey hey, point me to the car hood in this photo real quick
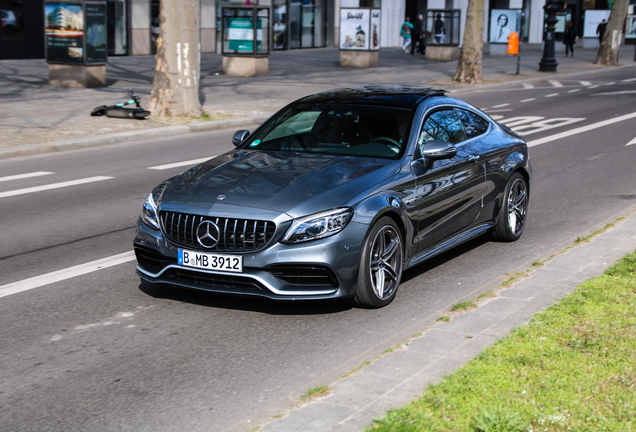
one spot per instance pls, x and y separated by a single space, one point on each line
294 183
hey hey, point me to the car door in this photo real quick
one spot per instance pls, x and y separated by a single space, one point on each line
450 190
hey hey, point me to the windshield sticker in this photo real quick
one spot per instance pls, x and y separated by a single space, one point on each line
255 143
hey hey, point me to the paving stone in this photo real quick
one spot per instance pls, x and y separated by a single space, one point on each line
317 416
437 342
400 364
360 389
507 324
470 323
433 374
393 399
501 306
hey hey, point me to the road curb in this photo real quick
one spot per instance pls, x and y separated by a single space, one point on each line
122 137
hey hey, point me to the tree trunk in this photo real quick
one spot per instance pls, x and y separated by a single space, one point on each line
469 64
608 50
175 89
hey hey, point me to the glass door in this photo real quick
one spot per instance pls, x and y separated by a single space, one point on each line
117 28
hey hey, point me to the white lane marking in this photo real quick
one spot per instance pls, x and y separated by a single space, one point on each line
632 142
498 110
544 125
528 86
575 90
528 100
516 121
180 164
23 176
615 93
612 83
60 275
629 80
555 83
594 86
552 95
501 105
585 83
581 129
52 186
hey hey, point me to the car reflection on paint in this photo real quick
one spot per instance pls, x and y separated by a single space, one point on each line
335 195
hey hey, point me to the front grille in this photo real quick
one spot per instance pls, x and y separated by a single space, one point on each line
236 235
308 275
214 281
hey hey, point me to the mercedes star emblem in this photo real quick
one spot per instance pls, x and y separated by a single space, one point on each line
208 234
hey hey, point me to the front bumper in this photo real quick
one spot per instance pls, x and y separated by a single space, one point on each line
319 269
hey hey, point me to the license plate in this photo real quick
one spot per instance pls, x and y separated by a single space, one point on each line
219 262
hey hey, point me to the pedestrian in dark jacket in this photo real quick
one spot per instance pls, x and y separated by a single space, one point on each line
416 35
569 38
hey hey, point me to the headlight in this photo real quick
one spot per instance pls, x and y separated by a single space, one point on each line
318 225
149 212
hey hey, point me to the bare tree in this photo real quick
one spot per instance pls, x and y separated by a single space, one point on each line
175 89
608 50
470 58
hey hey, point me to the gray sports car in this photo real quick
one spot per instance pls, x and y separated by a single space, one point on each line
335 195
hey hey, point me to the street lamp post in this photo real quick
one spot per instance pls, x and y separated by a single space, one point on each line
548 62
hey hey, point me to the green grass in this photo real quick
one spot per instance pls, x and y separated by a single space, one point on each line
316 392
573 367
466 305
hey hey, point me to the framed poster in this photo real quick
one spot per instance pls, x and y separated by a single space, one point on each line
375 29
354 29
592 19
64 32
630 27
95 33
502 23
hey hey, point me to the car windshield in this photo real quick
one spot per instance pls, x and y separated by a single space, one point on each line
338 129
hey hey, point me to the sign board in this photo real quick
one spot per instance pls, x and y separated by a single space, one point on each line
630 27
592 19
64 32
241 34
502 23
360 29
95 33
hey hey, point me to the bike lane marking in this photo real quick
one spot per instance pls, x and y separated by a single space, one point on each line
24 176
68 273
581 129
52 186
180 164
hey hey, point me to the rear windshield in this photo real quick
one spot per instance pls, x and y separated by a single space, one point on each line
338 129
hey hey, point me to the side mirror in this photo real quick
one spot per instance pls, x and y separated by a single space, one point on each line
436 150
240 136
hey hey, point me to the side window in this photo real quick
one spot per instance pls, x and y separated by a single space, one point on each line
473 124
443 125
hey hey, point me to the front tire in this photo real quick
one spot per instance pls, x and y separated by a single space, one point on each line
380 267
513 212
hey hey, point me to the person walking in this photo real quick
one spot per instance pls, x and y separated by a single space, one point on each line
600 30
569 38
440 31
416 35
405 32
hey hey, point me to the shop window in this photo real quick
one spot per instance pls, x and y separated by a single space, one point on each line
11 20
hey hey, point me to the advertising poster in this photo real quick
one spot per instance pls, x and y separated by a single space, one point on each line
630 27
592 19
241 34
375 29
64 32
354 29
502 23
95 33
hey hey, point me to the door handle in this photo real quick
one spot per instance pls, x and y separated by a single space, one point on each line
473 158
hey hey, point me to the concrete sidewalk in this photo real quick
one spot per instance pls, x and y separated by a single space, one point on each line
429 350
38 118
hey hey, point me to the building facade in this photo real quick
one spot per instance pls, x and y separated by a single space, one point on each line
133 25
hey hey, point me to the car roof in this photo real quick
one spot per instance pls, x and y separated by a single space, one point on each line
399 96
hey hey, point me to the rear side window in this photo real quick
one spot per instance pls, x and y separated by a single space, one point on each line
443 125
473 124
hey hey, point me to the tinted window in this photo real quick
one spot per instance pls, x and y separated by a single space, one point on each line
337 128
444 125
473 124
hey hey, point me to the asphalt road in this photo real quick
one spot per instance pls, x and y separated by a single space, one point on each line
102 352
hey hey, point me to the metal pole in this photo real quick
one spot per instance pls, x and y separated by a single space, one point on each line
519 56
548 63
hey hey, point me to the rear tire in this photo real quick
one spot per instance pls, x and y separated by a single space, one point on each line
380 266
141 114
99 111
514 208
